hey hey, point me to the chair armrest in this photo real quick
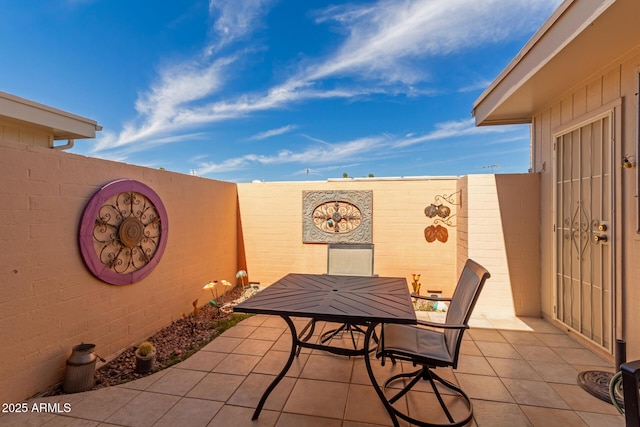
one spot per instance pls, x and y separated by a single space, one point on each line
413 295
441 325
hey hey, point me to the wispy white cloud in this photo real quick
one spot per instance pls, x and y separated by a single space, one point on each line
386 37
314 155
235 20
453 129
386 44
272 132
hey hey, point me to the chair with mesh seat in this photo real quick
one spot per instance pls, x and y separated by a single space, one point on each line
430 345
348 259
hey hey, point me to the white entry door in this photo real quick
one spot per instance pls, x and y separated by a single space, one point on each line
584 230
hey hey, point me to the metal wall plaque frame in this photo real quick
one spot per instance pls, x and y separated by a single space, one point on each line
338 216
123 232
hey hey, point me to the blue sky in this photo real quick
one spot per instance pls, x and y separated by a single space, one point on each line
243 90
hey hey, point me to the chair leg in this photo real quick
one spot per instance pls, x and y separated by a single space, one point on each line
427 374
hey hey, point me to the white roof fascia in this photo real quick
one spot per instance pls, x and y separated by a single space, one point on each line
62 124
562 27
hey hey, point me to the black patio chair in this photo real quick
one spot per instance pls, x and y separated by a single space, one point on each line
348 259
430 345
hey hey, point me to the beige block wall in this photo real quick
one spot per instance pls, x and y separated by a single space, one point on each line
50 302
271 221
500 226
617 84
14 131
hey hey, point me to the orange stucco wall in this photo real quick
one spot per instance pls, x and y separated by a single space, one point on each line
50 302
271 219
500 220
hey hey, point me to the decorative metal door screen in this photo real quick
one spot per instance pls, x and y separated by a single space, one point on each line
584 254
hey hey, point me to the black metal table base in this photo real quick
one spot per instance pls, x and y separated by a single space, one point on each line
299 341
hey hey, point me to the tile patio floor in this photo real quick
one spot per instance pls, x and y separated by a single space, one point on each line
518 372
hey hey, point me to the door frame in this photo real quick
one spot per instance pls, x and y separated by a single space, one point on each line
613 110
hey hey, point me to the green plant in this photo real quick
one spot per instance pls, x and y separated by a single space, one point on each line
145 349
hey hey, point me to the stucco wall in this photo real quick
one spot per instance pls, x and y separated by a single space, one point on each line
271 221
499 228
614 87
50 302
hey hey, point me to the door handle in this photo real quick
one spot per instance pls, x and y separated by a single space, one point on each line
600 239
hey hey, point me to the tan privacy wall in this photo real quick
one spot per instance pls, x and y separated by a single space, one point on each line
50 302
500 221
271 221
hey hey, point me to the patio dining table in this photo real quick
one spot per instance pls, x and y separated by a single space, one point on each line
331 298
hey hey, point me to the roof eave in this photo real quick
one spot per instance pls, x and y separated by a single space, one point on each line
62 124
510 98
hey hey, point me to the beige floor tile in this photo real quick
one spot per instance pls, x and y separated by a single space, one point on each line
558 340
296 420
268 334
216 386
256 320
284 343
100 404
538 353
202 361
347 423
144 410
236 416
237 364
275 322
470 348
498 349
253 347
581 356
424 406
555 372
252 388
194 412
360 376
223 344
177 382
549 417
519 337
534 393
328 367
145 382
273 362
478 334
364 405
484 387
601 420
512 368
498 414
63 421
474 365
537 324
31 419
239 331
319 398
580 400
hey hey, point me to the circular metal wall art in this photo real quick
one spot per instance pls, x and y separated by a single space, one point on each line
123 232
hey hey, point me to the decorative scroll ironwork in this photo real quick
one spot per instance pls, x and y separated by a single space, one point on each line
123 232
339 216
580 230
126 232
442 214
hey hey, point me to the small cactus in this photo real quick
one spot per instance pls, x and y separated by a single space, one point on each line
145 348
